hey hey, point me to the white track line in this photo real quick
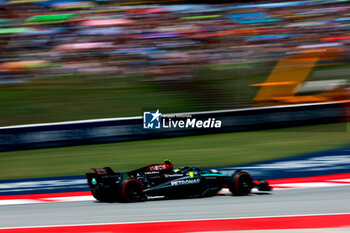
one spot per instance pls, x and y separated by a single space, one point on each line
178 220
281 186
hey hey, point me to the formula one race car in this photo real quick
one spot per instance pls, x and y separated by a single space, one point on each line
162 180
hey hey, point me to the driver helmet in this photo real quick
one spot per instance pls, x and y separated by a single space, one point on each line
167 161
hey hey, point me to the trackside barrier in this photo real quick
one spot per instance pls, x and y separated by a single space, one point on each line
131 128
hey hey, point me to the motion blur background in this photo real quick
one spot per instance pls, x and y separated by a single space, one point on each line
65 60
279 70
78 59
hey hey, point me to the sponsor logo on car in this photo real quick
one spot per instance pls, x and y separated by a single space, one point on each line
173 175
185 182
158 167
152 172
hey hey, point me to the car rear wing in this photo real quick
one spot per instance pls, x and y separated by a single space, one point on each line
103 171
102 176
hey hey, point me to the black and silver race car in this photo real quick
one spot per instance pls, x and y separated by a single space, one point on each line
162 180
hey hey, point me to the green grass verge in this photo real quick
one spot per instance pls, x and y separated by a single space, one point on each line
206 150
76 98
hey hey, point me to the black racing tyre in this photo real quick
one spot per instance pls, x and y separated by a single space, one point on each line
242 184
131 190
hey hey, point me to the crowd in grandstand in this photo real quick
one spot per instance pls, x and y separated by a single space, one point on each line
95 37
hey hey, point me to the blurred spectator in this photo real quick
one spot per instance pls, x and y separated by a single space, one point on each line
165 41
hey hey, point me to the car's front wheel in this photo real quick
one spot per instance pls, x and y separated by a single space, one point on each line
242 184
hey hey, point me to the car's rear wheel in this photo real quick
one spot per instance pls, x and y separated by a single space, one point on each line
242 184
131 190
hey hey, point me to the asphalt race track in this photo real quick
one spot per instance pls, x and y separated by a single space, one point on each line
281 202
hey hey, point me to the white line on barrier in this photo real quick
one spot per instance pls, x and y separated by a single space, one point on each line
189 113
